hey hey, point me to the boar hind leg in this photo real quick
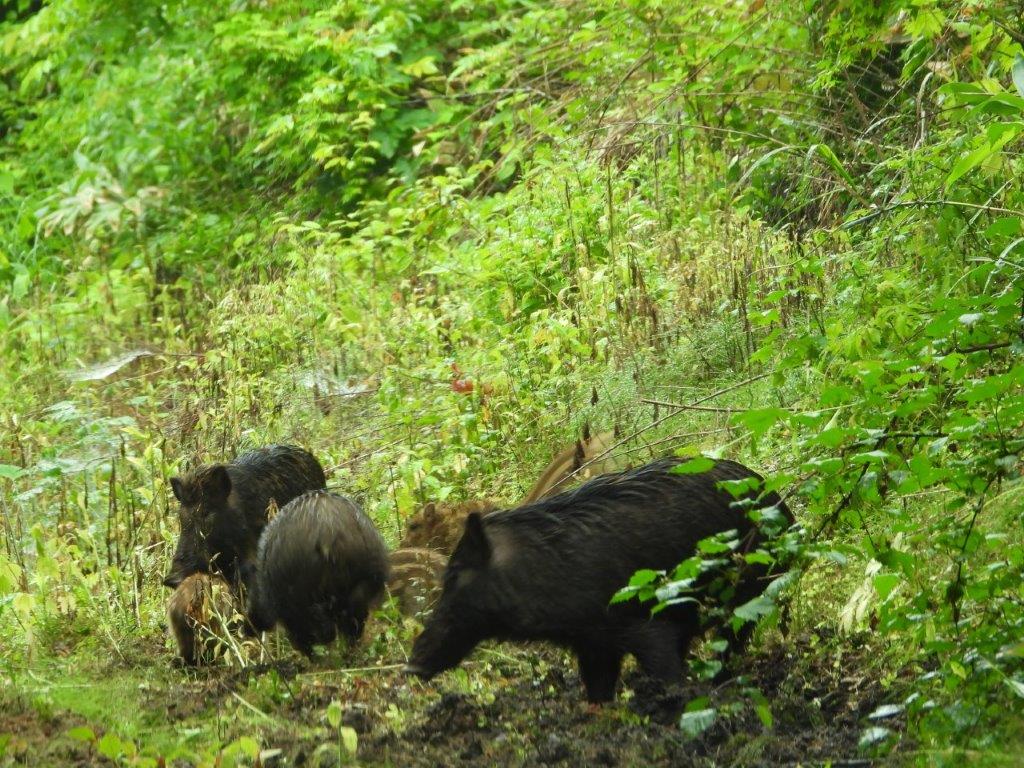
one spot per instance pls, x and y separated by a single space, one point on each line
599 669
660 648
737 642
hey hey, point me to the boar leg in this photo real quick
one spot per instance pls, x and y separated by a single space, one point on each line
660 648
599 668
302 642
737 642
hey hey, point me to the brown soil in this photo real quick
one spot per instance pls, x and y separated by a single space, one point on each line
29 737
508 706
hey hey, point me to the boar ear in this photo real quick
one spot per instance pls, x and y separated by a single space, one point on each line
429 510
218 482
474 540
178 489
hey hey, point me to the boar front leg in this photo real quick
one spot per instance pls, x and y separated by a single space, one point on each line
600 664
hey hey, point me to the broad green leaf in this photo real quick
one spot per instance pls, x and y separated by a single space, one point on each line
1005 226
82 733
870 457
754 609
10 471
693 466
1017 72
23 603
885 711
350 739
643 577
885 583
760 420
872 736
109 746
334 713
995 143
249 747
693 724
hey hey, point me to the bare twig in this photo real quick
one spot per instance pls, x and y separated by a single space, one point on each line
926 203
666 417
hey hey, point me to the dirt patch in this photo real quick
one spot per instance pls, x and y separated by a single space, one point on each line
509 705
527 709
28 737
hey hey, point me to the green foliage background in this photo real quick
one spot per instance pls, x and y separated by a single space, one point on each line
323 221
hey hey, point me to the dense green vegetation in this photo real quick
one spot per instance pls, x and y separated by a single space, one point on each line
431 241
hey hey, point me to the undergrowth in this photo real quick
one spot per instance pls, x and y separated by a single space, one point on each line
433 242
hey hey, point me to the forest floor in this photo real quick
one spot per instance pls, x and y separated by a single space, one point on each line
509 705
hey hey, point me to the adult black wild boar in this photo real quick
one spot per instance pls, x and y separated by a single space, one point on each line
547 571
224 508
320 566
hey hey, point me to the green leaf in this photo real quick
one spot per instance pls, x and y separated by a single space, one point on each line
872 736
110 746
1017 71
754 609
760 420
334 713
1002 134
693 724
693 466
249 747
82 733
643 577
349 739
971 160
624 594
870 457
6 184
421 68
830 157
886 710
1006 226
885 583
11 472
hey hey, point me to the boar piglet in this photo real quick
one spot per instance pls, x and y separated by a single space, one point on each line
320 566
576 464
415 579
438 525
224 508
547 571
201 614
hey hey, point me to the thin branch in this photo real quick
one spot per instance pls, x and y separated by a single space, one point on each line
983 347
925 203
686 407
666 417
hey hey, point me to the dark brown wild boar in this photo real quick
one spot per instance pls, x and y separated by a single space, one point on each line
548 570
224 508
201 614
321 565
415 580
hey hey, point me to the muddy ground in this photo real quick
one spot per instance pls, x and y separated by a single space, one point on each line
509 705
